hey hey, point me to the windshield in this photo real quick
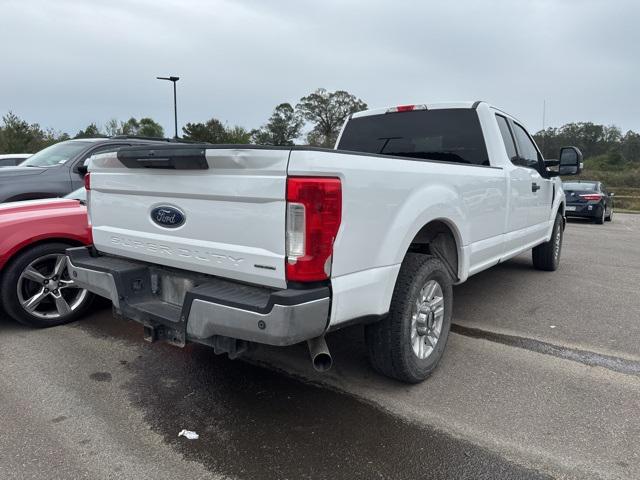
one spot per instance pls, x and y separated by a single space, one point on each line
79 194
55 154
584 186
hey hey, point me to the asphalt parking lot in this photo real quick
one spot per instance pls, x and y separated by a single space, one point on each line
541 379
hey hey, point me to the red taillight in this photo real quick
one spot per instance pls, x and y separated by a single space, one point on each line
591 197
87 181
314 212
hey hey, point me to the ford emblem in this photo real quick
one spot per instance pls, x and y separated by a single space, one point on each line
167 216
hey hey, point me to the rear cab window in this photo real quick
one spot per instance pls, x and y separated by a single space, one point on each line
447 135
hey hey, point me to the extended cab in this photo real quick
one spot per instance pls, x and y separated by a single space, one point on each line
231 245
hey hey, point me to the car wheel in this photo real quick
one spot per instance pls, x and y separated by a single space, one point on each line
610 217
600 217
36 289
408 343
546 256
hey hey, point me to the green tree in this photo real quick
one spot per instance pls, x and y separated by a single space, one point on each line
91 131
18 136
283 127
327 111
113 127
130 127
237 135
214 131
147 127
631 147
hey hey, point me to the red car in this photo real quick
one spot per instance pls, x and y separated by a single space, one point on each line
35 287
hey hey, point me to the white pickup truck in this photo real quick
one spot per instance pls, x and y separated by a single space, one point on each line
229 245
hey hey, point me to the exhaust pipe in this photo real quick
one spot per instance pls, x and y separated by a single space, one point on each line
319 352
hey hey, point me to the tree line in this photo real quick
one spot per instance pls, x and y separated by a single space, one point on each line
322 111
603 147
321 114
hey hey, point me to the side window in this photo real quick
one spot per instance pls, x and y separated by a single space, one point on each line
529 156
507 138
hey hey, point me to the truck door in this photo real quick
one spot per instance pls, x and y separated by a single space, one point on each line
521 198
541 188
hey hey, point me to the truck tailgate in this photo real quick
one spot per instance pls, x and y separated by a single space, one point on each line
218 211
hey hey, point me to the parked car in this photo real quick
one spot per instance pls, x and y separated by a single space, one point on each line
35 286
589 199
13 159
228 245
57 170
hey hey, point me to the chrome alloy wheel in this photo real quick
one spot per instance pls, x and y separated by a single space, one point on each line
427 319
45 289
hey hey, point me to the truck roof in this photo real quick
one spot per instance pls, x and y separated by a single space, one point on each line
430 106
422 106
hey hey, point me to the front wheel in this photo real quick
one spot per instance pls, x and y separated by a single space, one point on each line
409 342
546 256
36 289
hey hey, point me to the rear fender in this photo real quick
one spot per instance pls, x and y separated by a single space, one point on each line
413 216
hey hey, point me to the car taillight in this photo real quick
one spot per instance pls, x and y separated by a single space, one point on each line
314 212
87 181
591 197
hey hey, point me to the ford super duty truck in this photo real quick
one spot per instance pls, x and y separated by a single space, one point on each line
229 245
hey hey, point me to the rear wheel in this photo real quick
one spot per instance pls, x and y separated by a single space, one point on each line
546 256
610 217
601 216
410 341
37 291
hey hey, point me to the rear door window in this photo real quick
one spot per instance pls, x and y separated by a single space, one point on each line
448 135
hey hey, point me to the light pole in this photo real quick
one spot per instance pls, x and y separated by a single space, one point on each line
175 104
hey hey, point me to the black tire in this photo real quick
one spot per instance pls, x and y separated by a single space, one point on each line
546 256
610 217
389 345
600 217
9 288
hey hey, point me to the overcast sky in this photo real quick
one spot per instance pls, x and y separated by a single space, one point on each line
66 63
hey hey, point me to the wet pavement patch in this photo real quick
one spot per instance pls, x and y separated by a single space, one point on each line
592 359
256 423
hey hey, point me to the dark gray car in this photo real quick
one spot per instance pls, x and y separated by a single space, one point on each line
58 169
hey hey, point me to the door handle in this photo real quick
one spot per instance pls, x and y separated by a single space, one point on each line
535 187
